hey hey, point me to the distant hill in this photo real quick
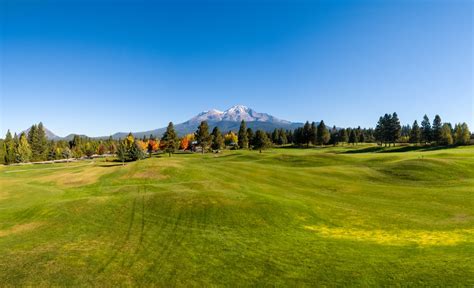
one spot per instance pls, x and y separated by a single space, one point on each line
228 120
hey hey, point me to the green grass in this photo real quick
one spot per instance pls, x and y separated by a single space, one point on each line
286 217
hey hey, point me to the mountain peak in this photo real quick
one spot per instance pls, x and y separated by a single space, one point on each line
240 108
235 113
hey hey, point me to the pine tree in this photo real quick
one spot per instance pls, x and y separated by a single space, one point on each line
395 128
202 136
217 139
343 137
313 134
42 142
9 149
426 132
135 152
352 137
250 136
361 136
243 140
322 133
170 139
122 152
415 133
261 141
437 129
307 134
275 136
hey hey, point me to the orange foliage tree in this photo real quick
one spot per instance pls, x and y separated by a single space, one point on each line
153 146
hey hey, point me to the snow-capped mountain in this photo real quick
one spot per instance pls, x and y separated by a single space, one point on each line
228 120
236 113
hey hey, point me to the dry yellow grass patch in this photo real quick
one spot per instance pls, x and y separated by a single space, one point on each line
20 228
401 237
86 176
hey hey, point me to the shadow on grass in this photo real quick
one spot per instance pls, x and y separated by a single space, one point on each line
382 149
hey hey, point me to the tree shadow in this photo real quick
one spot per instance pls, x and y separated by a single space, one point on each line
382 149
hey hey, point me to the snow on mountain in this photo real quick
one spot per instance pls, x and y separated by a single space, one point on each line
236 113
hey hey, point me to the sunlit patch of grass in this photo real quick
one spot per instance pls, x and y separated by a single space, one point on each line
19 228
401 237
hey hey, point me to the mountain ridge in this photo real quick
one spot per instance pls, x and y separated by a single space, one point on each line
228 120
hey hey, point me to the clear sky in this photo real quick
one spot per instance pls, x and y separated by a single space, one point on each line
99 67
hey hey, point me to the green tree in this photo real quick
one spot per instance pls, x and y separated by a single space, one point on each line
446 136
122 152
343 137
426 131
437 129
170 139
242 136
322 133
307 134
261 141
202 136
313 134
352 137
462 134
9 149
415 133
394 128
217 139
135 152
250 136
23 151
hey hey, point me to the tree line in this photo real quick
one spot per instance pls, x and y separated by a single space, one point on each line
34 146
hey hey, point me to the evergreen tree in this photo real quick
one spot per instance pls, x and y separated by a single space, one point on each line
217 139
426 132
274 137
250 136
23 151
282 139
415 133
289 137
135 152
361 136
307 134
122 152
313 134
352 137
378 132
170 139
437 129
298 136
243 140
261 141
343 137
322 133
202 135
334 136
9 149
395 128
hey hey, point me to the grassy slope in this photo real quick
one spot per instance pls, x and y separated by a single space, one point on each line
286 216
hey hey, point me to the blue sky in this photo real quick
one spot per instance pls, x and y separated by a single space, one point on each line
98 67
